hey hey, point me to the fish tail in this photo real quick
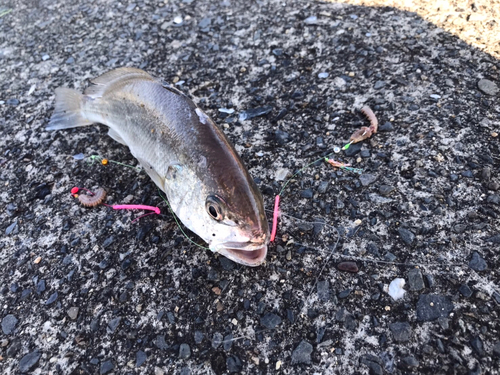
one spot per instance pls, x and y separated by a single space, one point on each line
68 110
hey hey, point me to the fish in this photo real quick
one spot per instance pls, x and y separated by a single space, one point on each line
182 150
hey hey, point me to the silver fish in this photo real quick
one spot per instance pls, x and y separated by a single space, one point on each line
184 153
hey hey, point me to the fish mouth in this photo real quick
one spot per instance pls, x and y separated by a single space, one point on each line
253 256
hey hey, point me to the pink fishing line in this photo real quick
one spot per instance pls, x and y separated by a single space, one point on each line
275 217
135 207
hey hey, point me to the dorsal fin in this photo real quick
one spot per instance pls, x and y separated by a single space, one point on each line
121 75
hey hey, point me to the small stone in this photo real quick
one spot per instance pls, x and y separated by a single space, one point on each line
254 112
323 289
386 127
401 331
29 361
410 361
52 298
11 228
323 187
406 236
37 260
311 20
160 342
140 358
108 241
308 193
378 85
113 324
9 324
184 351
302 353
415 280
465 290
367 179
106 367
73 313
12 101
205 22
323 75
348 267
477 263
217 340
432 306
345 293
385 190
353 149
488 87
496 349
234 364
281 174
270 321
396 290
477 344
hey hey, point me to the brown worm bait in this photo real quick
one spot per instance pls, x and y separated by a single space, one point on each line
365 132
93 200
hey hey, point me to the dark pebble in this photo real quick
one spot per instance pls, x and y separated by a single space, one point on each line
140 358
52 298
308 193
353 149
496 297
302 353
494 239
348 267
323 186
227 264
386 127
389 257
496 349
106 367
378 85
488 87
142 233
367 179
281 137
113 324
365 153
108 241
9 324
323 289
477 263
345 293
409 361
385 190
254 112
415 280
11 228
12 101
465 290
198 337
270 321
375 368
103 264
477 344
205 22
29 361
228 342
161 343
467 174
217 340
234 364
401 331
184 351
406 236
432 306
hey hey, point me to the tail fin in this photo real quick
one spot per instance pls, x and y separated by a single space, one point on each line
68 111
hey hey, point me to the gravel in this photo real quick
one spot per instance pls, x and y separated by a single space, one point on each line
88 291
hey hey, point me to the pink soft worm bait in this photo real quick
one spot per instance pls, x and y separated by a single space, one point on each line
135 207
275 217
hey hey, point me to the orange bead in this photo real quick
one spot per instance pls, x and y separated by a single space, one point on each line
104 161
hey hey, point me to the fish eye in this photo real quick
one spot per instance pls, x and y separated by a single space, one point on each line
214 207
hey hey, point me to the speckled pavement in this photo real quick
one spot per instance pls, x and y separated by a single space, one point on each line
88 291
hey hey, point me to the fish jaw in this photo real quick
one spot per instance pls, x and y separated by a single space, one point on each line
252 256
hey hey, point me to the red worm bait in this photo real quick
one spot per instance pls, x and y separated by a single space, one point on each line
370 116
92 200
364 132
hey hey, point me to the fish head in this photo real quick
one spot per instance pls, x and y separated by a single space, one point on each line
229 217
238 227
